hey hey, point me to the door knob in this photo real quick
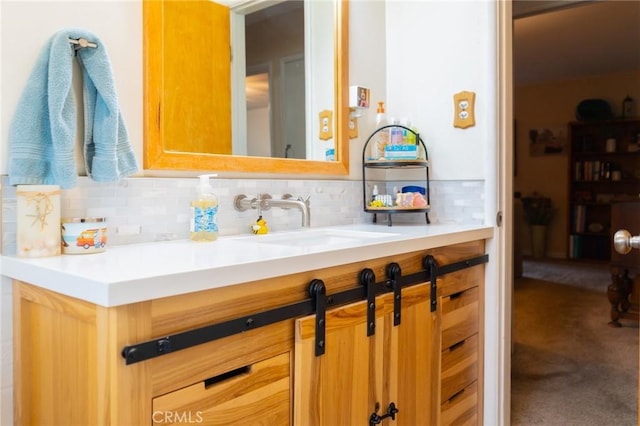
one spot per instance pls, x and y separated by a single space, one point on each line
623 241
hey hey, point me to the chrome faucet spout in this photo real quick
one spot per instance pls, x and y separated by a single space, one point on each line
287 201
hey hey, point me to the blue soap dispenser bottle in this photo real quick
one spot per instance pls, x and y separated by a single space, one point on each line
204 212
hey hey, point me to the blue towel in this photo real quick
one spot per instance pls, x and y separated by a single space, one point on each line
43 130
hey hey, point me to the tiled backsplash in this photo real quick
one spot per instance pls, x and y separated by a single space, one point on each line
152 209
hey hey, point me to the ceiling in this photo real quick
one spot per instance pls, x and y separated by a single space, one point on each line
559 40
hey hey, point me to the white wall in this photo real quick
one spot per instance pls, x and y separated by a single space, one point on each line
320 70
434 50
367 68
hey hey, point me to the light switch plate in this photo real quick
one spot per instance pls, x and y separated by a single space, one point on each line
326 124
464 105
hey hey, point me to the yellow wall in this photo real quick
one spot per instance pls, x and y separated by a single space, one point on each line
553 104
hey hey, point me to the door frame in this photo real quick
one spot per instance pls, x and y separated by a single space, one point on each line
499 287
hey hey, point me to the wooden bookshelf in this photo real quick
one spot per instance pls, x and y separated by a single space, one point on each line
601 172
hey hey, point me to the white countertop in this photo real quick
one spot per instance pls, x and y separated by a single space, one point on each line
138 272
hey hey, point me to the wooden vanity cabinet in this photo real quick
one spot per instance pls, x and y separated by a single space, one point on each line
460 305
69 368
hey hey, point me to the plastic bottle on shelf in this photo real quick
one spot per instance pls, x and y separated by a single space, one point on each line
204 212
395 133
381 115
381 138
408 136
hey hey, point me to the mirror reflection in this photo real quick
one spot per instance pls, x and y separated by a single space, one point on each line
282 78
199 113
275 86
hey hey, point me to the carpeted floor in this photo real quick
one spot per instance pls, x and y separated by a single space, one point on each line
568 366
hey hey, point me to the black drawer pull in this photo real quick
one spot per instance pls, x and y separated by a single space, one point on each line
456 395
225 376
456 295
457 346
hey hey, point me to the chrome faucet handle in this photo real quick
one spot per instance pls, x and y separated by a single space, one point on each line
304 199
263 201
623 241
242 202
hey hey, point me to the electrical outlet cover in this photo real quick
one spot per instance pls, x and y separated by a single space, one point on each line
353 127
464 105
326 124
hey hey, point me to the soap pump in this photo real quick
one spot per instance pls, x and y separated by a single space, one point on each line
382 137
204 212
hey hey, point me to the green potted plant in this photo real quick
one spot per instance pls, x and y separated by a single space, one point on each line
538 212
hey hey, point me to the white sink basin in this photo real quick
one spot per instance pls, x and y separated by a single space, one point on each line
321 238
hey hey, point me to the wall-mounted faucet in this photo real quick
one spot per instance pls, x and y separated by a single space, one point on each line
265 202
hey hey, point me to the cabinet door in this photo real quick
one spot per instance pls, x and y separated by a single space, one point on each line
258 394
417 368
358 373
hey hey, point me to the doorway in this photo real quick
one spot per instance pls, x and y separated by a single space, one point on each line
258 95
292 106
549 175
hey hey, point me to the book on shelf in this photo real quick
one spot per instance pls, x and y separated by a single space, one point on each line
579 218
575 246
592 170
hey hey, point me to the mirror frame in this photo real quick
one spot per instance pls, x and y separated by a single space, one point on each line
157 158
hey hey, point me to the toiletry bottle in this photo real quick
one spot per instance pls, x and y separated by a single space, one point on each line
204 212
409 137
381 116
382 138
396 133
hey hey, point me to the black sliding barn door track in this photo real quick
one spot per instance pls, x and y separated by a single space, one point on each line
317 303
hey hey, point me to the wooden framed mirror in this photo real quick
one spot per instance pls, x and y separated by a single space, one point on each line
187 115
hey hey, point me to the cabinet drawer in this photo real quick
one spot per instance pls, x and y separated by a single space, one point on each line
461 408
459 316
251 395
458 281
459 366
